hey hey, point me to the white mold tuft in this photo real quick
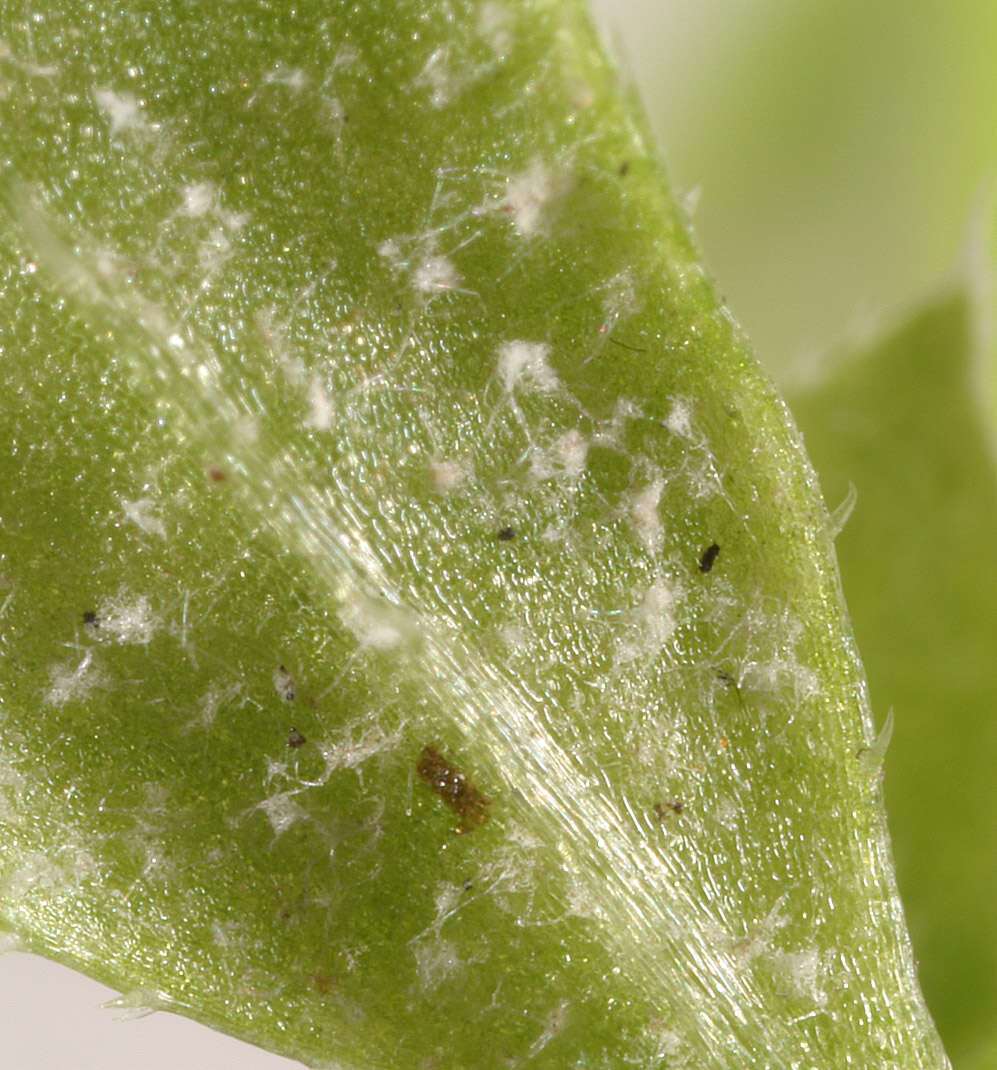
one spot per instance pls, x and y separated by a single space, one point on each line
527 195
282 811
72 683
679 419
645 515
650 624
123 110
435 274
571 453
198 198
446 475
525 364
320 409
141 514
127 619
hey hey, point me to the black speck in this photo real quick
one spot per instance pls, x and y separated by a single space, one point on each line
709 556
506 534
624 168
90 617
468 885
295 739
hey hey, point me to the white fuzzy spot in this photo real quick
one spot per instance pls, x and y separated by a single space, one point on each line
435 274
72 684
127 619
212 701
645 514
571 452
282 811
435 960
37 872
446 475
436 77
679 419
293 78
525 363
141 513
650 624
493 25
320 408
390 250
376 625
284 684
526 196
803 971
198 198
351 749
123 110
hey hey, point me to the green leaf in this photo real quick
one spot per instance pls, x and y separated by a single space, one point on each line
907 423
422 642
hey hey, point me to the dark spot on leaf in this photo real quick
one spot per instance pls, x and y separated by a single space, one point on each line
624 345
506 534
295 739
671 806
709 556
90 617
451 784
216 475
624 168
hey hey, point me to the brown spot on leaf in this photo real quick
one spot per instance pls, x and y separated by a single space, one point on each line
451 784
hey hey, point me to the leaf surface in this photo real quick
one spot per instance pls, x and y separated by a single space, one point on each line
371 687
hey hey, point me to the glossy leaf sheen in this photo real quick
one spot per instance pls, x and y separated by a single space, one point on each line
365 396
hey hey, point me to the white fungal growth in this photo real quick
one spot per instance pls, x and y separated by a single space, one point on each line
571 452
525 364
446 475
650 624
141 514
320 409
436 960
123 111
72 683
352 747
679 419
127 619
282 811
493 25
390 251
212 701
198 198
645 514
802 969
435 274
527 195
376 625
436 76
